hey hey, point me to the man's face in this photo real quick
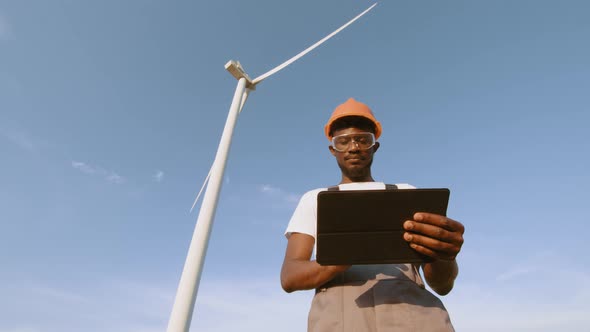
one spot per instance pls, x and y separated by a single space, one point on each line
354 162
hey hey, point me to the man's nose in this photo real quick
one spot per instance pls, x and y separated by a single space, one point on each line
354 147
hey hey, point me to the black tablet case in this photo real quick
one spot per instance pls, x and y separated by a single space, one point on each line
365 226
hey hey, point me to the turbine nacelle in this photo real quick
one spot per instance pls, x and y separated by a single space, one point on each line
236 70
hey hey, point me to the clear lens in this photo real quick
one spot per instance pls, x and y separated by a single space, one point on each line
364 141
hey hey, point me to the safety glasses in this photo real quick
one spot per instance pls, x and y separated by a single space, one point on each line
363 141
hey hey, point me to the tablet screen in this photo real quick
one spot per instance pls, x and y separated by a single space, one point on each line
365 226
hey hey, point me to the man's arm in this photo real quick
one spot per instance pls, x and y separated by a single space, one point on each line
299 272
440 275
441 238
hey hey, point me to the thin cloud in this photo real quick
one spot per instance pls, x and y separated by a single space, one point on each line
159 176
144 306
109 176
515 273
19 138
91 307
21 329
256 300
5 29
25 139
58 294
266 188
476 307
279 193
83 167
115 178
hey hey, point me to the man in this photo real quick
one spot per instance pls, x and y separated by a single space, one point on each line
386 297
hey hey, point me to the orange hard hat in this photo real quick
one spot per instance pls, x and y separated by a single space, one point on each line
352 108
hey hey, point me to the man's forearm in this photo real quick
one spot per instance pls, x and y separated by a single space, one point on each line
303 274
440 275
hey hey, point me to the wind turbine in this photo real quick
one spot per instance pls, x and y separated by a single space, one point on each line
186 294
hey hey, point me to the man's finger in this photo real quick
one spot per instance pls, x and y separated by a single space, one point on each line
440 221
435 232
431 253
441 248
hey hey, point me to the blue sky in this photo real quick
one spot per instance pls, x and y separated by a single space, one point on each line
111 112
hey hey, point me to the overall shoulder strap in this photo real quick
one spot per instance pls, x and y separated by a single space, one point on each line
333 188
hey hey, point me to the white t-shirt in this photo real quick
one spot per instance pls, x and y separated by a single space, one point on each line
304 219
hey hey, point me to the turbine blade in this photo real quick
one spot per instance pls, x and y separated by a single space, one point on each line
244 97
202 187
309 49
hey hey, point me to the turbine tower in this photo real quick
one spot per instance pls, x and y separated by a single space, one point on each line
186 294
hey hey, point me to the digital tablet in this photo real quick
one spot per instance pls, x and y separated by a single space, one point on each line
365 226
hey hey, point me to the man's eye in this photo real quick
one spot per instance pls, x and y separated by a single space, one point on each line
343 140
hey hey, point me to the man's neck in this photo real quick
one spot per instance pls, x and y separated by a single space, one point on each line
346 179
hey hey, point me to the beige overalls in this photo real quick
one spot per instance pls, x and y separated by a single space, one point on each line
377 298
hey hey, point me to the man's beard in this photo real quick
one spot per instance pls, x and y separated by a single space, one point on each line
357 173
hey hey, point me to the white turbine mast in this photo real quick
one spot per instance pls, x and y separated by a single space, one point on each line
186 294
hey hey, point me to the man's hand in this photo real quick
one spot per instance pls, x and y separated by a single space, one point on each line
434 235
441 238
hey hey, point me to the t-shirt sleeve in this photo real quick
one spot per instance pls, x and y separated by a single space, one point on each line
404 186
305 216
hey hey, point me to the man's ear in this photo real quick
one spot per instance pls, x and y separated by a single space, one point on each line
376 147
332 151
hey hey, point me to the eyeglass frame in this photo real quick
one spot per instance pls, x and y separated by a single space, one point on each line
354 141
